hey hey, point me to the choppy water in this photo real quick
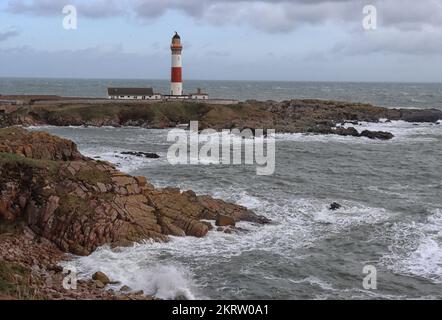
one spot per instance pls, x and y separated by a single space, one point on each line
406 95
391 192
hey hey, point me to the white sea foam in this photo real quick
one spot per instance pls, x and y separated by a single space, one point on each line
136 269
125 163
314 281
296 223
417 248
402 131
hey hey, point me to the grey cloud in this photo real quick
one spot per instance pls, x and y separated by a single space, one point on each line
392 42
8 33
284 16
90 9
265 15
90 62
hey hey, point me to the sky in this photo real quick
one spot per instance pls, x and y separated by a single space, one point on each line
296 40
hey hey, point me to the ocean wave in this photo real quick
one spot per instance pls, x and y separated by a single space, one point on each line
133 267
402 131
297 223
125 163
416 248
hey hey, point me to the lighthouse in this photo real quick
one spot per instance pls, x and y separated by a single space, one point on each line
176 87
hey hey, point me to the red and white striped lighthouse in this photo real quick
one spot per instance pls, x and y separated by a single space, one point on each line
176 87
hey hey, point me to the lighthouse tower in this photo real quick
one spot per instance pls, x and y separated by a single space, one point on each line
176 88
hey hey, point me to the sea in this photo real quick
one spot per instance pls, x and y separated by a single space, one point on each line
404 95
388 228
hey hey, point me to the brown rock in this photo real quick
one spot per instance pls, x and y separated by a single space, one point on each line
125 289
142 181
123 180
101 276
381 135
223 221
208 224
101 186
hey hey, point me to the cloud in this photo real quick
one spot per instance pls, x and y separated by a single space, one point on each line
8 33
91 62
396 42
404 26
89 9
266 15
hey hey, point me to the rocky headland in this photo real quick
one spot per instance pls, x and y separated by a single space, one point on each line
54 201
294 116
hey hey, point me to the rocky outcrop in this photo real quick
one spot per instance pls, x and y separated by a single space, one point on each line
351 131
80 204
37 145
141 154
293 116
430 115
380 135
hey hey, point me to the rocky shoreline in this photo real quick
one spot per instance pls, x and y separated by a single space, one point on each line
53 201
294 116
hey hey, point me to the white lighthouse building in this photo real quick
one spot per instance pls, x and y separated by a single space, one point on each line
176 86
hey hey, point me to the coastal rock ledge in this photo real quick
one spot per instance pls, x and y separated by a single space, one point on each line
80 204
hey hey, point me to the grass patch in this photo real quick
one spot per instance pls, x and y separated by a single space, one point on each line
86 113
72 205
92 176
15 159
14 281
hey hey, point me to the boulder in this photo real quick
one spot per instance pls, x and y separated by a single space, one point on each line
347 132
222 221
335 206
141 154
99 284
424 115
125 289
102 277
381 135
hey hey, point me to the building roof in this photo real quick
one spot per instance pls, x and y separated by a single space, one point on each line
176 36
130 91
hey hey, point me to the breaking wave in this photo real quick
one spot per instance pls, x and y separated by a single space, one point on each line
417 248
402 131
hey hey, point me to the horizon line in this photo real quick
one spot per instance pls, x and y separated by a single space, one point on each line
222 80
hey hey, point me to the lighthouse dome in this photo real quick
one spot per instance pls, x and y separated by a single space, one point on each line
176 36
